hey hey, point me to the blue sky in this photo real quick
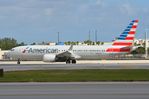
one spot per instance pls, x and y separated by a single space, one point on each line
40 20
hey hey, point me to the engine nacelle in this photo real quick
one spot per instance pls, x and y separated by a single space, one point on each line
49 58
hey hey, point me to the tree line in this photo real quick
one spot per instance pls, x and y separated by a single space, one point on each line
8 43
87 42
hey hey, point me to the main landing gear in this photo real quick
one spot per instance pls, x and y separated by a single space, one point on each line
71 61
18 61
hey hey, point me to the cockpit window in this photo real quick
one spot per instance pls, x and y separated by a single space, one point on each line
12 49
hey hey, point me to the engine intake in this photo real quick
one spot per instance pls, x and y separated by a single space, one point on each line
49 58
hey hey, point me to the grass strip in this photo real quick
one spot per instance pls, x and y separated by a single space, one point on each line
76 75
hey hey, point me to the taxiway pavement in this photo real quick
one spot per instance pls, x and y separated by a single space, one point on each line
74 90
17 67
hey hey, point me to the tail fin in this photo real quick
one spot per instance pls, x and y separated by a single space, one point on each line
124 43
127 37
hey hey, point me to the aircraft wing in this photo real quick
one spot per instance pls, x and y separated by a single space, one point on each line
64 54
68 54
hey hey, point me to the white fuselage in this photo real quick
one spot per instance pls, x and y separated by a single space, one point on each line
85 52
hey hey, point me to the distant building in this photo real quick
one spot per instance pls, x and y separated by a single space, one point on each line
140 42
52 43
60 43
2 54
108 43
81 43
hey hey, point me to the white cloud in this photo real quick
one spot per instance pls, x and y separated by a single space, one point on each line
128 9
48 11
99 2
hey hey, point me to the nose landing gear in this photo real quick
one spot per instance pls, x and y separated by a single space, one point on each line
18 61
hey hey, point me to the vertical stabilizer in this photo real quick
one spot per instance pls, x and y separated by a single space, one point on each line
125 41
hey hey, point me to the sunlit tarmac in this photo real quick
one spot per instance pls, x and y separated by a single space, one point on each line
80 90
17 67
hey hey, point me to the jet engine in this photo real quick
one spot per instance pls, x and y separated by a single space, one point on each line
49 58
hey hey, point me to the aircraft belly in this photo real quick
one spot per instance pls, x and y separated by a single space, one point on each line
27 57
32 57
92 56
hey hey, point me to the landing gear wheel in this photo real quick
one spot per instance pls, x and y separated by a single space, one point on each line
73 61
67 61
18 61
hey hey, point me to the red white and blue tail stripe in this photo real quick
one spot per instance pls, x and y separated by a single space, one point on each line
124 42
127 37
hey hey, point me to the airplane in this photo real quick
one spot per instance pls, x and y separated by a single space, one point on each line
70 53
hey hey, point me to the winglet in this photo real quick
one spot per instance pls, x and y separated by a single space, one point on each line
71 47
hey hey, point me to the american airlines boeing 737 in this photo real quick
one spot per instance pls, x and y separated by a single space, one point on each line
69 54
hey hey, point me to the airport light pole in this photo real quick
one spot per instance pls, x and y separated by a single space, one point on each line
146 45
95 36
89 36
58 37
